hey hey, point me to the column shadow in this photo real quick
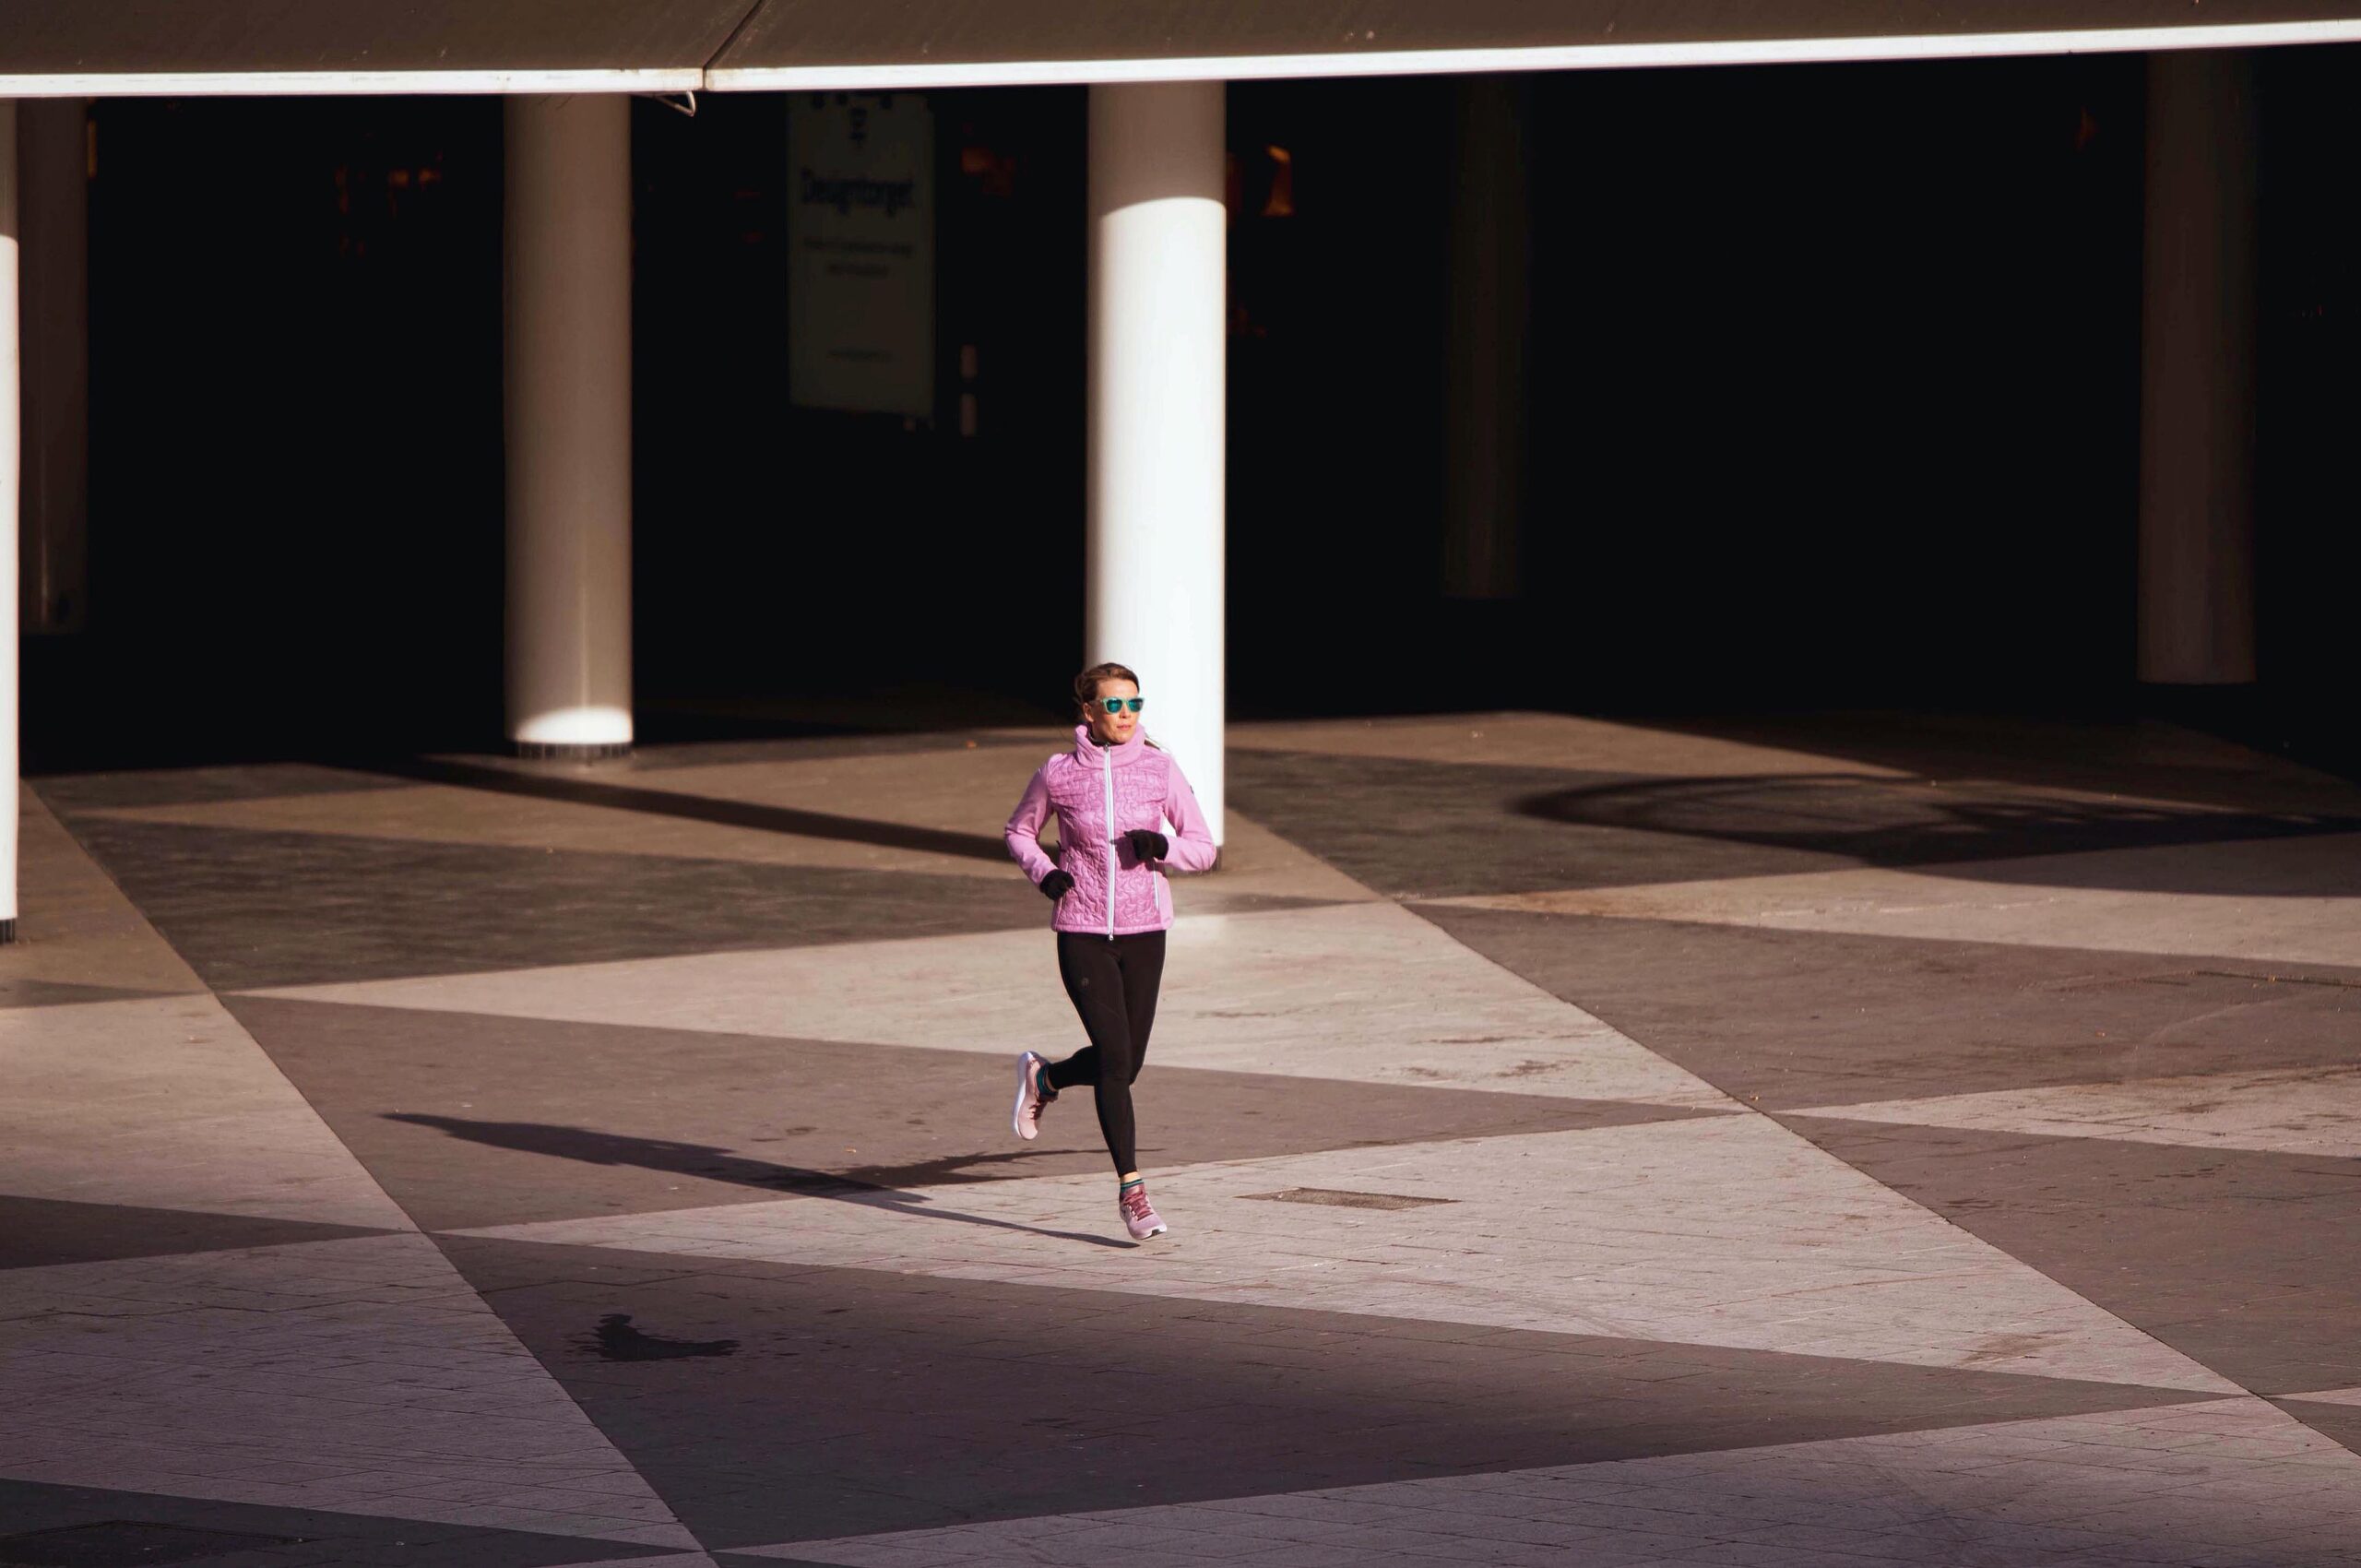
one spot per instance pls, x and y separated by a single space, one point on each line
694 808
1958 828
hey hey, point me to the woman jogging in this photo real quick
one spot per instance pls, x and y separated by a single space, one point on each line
1112 795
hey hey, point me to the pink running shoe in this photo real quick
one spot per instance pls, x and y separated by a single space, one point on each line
1032 1098
1139 1216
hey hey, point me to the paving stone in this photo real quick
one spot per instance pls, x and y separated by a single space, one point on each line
35 1232
549 1120
1904 1144
2279 905
75 927
2214 1252
77 793
305 1537
1366 993
253 908
1787 1019
853 1396
2300 1111
1909 1498
1444 828
334 1375
167 1103
1723 1230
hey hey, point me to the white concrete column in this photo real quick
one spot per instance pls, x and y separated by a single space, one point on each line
2196 377
569 424
53 207
11 426
1491 313
1158 309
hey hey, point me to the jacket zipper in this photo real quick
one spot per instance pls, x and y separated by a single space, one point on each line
1106 754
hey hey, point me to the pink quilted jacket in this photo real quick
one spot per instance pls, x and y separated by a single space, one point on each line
1100 793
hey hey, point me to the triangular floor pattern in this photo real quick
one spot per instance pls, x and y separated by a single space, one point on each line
2231 1483
780 1368
1718 1231
798 1400
362 1376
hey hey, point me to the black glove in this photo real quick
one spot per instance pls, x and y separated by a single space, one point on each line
1147 844
1053 886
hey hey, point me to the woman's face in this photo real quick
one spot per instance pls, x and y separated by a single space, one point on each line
1113 729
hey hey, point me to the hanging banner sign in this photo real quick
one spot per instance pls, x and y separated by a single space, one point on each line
861 242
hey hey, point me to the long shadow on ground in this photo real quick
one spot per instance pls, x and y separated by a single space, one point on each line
719 1165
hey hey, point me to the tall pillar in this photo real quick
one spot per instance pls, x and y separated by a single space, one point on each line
1489 317
54 199
569 424
10 424
2197 375
1159 244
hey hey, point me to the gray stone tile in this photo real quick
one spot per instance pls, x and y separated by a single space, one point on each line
166 1104
1432 830
73 792
2221 1253
469 1120
305 1537
1791 1018
1442 829
2341 1422
35 1232
851 1400
250 909
362 1376
886 1372
2014 1492
17 992
2135 757
664 757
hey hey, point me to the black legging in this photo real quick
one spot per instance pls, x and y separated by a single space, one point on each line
1112 983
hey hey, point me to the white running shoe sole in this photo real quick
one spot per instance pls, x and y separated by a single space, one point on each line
1024 1062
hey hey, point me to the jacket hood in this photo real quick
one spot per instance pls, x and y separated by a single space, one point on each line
1087 752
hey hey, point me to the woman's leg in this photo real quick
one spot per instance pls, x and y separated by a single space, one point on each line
1095 981
1142 960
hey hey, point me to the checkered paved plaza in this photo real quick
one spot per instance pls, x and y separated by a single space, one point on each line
1841 1141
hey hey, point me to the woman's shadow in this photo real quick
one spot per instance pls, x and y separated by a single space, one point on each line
719 1165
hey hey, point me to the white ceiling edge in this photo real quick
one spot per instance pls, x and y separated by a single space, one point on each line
1607 56
1230 67
342 84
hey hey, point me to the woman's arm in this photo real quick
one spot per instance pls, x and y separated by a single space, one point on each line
1192 841
1023 830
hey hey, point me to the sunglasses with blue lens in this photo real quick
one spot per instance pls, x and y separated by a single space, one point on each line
1117 704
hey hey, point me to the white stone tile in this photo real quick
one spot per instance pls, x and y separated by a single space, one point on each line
1720 1231
2308 1111
1368 993
167 1103
2289 901
74 925
240 1389
1870 1500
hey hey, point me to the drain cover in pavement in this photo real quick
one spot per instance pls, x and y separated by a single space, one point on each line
1336 1199
125 1543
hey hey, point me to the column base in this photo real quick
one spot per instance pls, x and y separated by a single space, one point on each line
7 931
572 750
